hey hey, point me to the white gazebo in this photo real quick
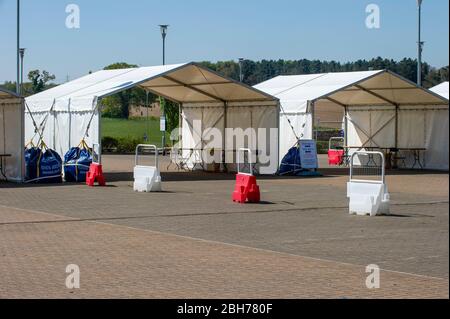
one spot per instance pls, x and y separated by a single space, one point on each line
380 109
218 102
11 136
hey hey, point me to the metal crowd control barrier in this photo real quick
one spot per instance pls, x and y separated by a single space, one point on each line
336 156
336 139
147 178
244 151
368 196
368 170
96 154
149 147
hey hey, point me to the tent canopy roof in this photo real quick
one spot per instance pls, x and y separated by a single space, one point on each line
441 89
369 88
182 83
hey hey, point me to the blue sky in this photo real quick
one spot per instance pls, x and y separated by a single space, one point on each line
215 30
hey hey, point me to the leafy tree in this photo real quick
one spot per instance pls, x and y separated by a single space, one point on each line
39 80
256 72
10 86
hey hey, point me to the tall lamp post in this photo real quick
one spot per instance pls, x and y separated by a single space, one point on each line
241 74
22 55
164 28
18 48
420 45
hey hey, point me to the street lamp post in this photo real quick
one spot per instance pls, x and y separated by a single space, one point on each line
147 133
241 74
18 48
420 45
22 55
164 28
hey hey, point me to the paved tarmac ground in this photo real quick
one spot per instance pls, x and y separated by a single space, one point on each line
192 241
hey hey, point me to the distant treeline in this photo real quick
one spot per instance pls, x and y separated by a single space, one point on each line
257 72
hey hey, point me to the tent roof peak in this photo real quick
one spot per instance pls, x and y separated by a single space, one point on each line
359 88
182 83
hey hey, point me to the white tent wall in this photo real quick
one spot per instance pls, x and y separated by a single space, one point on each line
293 126
241 116
418 127
11 137
371 127
63 128
437 134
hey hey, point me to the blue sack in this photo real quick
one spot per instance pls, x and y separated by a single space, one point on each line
291 164
77 162
31 163
42 165
50 167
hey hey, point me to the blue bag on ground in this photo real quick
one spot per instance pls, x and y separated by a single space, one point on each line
31 163
291 164
43 165
76 163
50 167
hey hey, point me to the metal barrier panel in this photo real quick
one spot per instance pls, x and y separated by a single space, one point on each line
336 143
96 154
249 162
368 167
143 148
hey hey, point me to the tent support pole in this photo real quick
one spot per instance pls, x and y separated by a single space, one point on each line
224 138
313 115
395 164
347 150
22 138
180 125
100 146
54 130
70 123
279 136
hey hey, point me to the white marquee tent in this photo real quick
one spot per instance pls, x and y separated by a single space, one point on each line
11 135
219 102
441 89
381 109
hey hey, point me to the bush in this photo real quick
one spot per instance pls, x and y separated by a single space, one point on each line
109 144
112 111
127 145
322 147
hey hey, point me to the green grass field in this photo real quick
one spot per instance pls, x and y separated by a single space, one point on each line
133 128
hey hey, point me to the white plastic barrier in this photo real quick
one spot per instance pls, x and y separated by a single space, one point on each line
368 197
147 178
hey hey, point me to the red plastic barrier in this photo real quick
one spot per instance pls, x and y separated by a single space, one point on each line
335 157
95 174
246 189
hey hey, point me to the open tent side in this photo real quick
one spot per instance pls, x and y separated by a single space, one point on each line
380 109
72 111
12 136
